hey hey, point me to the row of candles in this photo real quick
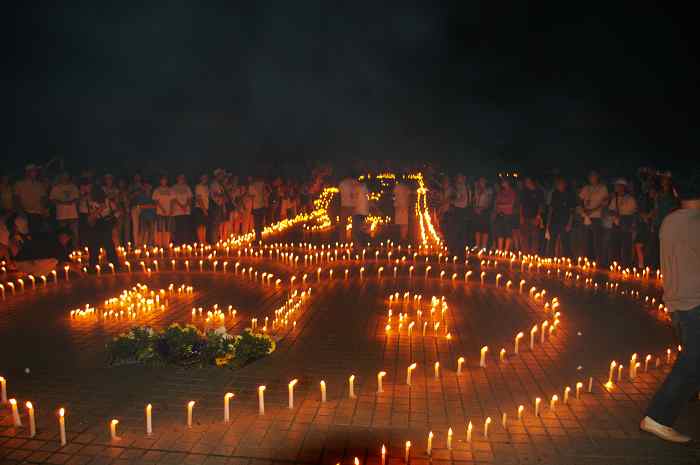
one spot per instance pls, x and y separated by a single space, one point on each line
351 393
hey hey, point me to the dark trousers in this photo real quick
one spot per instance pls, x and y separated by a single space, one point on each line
100 236
258 220
530 236
595 240
183 230
558 232
358 223
684 379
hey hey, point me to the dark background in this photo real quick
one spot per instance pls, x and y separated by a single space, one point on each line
474 86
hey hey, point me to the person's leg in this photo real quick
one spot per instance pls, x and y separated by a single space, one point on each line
598 241
683 380
639 254
135 232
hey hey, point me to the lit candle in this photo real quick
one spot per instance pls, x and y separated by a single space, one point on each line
502 354
3 390
430 443
460 362
482 360
32 420
149 420
227 413
619 372
383 454
590 384
323 391
521 409
351 386
545 323
567 390
409 370
380 375
407 456
16 420
261 400
486 427
437 370
518 336
647 359
113 429
613 364
190 407
553 402
632 362
449 438
579 386
62 425
533 332
504 420
537 406
470 427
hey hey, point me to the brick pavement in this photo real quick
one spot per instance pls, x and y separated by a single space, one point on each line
342 333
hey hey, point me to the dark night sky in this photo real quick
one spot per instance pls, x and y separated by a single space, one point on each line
232 82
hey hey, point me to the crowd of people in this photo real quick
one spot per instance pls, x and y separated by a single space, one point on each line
610 221
614 220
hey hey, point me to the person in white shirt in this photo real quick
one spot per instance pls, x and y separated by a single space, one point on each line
181 210
200 214
594 197
65 195
30 197
623 212
402 205
361 202
346 188
163 197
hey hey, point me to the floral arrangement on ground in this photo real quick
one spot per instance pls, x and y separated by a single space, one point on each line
188 346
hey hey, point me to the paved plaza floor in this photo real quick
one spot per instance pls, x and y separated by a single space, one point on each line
56 361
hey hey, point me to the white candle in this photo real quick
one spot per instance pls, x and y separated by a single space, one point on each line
449 438
504 420
323 391
290 388
543 333
533 332
3 390
113 429
632 362
611 372
380 375
567 390
590 384
579 386
410 368
407 455
227 411
502 354
149 419
521 409
16 420
32 419
647 359
460 362
553 402
62 425
430 443
517 341
383 454
351 386
482 360
470 427
486 427
437 370
537 406
190 407
261 400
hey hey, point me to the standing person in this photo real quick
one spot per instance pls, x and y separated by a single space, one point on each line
482 202
258 190
246 210
531 208
30 198
163 197
459 208
347 207
505 215
560 219
594 197
147 216
201 208
402 205
361 202
623 210
680 265
124 216
6 194
217 206
100 225
65 195
182 204
112 193
136 189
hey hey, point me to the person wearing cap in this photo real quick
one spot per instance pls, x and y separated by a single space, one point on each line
30 198
623 211
680 265
594 197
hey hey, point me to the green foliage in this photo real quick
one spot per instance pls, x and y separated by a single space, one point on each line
186 345
250 346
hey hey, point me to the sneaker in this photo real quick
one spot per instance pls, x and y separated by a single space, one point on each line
664 432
